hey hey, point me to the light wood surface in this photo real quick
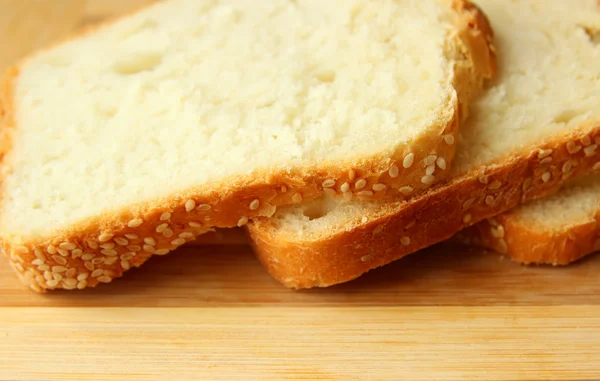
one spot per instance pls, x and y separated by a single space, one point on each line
212 313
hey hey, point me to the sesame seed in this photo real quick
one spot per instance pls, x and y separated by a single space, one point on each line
43 267
38 253
121 241
441 162
489 200
165 216
98 261
467 204
76 253
132 236
496 184
329 192
573 148
364 194
52 283
429 160
408 160
242 221
125 265
178 241
96 273
406 190
38 262
162 227
63 252
190 205
135 223
82 276
162 252
586 140
366 258
379 187
127 256
283 188
204 207
328 183
167 233
429 170
428 179
393 171
60 260
596 166
92 244
81 285
110 261
70 282
467 218
186 235
545 161
87 257
542 153
67 246
51 249
378 229
105 237
405 241
500 231
351 174
22 249
364 219
193 224
348 196
567 166
59 269
546 176
297 198
360 184
449 139
254 204
40 279
590 150
104 279
89 265
108 245
149 248
345 187
502 247
483 179
109 252
48 275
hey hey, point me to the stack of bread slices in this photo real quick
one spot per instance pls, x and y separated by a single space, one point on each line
341 135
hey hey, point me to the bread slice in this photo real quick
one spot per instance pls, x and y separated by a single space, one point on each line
557 230
537 126
136 137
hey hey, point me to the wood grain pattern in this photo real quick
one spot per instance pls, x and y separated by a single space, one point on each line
212 313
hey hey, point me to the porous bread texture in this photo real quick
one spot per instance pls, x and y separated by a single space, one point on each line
133 139
557 230
537 126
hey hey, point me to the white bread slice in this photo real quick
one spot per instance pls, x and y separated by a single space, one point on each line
557 230
537 126
134 138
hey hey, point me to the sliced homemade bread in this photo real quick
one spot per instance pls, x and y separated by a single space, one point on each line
556 230
537 126
136 137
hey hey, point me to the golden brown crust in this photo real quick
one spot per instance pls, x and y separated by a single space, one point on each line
401 228
530 244
102 248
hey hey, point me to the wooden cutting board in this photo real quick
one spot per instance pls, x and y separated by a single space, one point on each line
212 313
